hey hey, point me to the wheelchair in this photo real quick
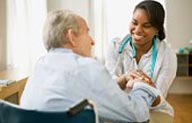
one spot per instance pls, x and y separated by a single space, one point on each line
11 113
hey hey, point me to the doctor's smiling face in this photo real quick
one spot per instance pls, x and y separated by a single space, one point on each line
141 29
148 20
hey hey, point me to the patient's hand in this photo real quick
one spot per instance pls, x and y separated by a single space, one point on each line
121 80
138 76
127 80
130 83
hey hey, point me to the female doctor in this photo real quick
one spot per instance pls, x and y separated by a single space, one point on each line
143 54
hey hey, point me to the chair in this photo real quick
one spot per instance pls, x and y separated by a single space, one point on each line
11 113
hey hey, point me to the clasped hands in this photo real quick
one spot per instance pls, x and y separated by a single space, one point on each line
127 80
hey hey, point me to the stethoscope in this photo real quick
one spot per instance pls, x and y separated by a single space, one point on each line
154 51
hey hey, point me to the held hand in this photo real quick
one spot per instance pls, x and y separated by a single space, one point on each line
127 80
132 74
130 84
137 76
146 78
121 80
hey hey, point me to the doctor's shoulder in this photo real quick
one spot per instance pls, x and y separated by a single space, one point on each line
116 42
114 45
168 52
167 48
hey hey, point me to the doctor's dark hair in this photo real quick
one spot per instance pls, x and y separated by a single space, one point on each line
156 14
56 26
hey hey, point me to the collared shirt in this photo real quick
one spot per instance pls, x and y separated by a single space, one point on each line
62 78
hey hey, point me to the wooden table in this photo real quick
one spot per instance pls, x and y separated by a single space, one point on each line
13 91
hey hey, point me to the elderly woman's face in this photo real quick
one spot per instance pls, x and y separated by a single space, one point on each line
140 28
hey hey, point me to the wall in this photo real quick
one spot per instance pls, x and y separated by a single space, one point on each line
82 7
79 6
179 22
179 33
2 34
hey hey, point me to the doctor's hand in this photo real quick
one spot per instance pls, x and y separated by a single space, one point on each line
137 76
145 78
126 80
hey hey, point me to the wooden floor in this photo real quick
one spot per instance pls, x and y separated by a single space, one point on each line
183 107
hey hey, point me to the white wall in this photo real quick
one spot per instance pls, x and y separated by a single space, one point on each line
179 33
79 6
179 22
2 34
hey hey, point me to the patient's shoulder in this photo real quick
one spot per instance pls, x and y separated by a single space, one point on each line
88 61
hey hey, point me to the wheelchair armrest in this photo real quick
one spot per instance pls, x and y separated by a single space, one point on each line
77 108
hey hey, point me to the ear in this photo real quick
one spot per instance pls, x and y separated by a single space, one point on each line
70 35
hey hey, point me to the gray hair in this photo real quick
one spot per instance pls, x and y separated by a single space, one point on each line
56 25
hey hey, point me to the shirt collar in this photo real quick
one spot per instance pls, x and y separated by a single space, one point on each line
63 50
129 49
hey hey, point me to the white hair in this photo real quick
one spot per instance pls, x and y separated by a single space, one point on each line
57 24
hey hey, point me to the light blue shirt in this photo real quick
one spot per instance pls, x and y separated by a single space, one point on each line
62 78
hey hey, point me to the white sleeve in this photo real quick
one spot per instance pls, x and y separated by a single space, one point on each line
167 72
112 58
